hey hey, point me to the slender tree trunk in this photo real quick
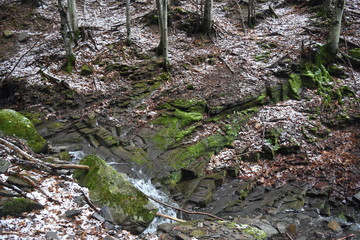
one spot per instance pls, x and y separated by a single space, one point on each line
128 27
251 13
165 34
67 38
207 19
160 20
73 19
335 30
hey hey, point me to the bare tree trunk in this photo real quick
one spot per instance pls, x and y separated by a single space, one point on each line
68 38
164 33
163 48
207 19
251 14
73 19
335 30
160 11
128 27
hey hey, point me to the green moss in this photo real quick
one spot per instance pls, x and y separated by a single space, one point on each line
18 206
109 187
253 231
197 233
70 64
14 124
355 53
35 118
294 86
86 70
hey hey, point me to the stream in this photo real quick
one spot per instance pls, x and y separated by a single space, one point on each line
144 184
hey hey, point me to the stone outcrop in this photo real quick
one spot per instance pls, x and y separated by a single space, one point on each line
129 207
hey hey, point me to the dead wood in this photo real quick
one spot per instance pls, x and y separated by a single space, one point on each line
277 61
186 211
226 64
38 161
169 217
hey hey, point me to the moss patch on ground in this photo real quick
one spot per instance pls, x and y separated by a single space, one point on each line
14 124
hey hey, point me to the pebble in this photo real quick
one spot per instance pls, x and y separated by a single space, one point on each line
334 225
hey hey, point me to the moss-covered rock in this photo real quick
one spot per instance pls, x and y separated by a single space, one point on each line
18 206
14 124
130 208
86 70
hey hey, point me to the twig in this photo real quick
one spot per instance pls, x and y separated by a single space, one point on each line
169 217
280 59
185 211
227 65
242 17
17 63
289 236
351 67
88 201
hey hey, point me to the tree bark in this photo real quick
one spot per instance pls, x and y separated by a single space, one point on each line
335 30
128 20
207 19
251 14
67 38
163 48
73 19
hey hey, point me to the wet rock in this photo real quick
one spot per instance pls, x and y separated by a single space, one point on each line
357 197
106 138
266 227
51 236
129 207
72 213
8 34
209 230
334 225
23 37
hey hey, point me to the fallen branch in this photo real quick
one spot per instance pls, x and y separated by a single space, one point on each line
16 189
56 80
88 201
226 64
38 161
185 211
169 217
277 61
289 236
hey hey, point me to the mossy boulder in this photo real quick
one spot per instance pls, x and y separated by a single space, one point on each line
14 124
130 207
17 206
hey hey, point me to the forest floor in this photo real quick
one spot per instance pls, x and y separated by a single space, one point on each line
230 66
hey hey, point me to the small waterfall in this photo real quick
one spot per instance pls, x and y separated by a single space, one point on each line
145 186
149 189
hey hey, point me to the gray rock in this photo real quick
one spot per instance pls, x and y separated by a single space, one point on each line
51 235
4 165
23 37
72 213
105 212
97 216
357 196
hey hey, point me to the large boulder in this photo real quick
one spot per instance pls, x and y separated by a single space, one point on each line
14 124
130 208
